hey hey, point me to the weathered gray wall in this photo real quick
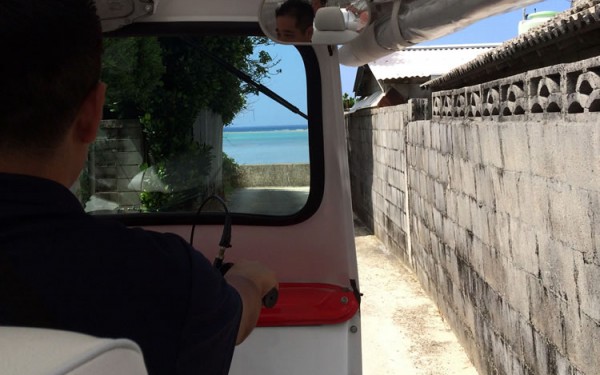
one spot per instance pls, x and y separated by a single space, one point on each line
278 175
114 160
504 215
376 152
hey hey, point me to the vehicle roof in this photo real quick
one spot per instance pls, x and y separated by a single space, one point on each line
205 11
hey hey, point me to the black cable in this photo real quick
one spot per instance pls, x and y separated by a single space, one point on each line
226 235
270 299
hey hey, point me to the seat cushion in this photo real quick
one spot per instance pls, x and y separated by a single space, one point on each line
29 351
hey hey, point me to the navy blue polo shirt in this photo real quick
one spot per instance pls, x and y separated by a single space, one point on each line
64 269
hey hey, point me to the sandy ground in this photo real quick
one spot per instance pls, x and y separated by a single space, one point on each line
402 330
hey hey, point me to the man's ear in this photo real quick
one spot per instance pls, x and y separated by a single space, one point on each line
309 33
90 114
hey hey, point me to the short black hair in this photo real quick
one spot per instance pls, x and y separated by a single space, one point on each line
301 10
51 62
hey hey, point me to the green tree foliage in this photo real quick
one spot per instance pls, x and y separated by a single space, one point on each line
232 173
166 82
133 69
348 101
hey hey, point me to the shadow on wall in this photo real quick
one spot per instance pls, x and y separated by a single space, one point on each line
359 130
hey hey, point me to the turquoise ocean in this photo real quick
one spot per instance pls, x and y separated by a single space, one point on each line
276 144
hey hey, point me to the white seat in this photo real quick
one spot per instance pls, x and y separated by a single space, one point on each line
330 27
36 351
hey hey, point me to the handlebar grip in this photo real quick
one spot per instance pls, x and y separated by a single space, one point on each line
270 299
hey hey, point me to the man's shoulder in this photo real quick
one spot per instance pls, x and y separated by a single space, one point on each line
131 237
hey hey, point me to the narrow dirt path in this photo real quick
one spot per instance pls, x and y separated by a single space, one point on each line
402 330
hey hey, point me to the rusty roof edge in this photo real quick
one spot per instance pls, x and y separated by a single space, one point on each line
582 16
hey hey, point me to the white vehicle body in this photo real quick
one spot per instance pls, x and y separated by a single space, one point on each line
310 256
315 326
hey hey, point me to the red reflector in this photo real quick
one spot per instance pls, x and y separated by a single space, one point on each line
302 304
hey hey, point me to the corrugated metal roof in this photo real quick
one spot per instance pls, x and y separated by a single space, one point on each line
583 17
426 61
368 102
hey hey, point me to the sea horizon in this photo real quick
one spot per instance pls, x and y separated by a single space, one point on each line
266 144
252 128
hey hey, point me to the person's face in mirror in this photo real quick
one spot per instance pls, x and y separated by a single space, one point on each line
289 31
294 21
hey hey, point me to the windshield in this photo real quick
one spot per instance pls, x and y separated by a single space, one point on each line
191 117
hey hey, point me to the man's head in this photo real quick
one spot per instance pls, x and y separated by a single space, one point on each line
295 21
317 4
50 64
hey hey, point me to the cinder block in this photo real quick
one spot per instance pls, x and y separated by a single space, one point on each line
484 183
455 174
464 211
515 146
524 247
479 219
491 152
476 250
514 99
499 225
449 236
505 191
544 352
440 198
527 346
534 203
588 286
578 163
516 294
464 244
582 338
494 268
459 143
545 148
449 137
569 218
426 134
547 314
435 135
467 170
443 170
507 321
557 268
452 205
472 142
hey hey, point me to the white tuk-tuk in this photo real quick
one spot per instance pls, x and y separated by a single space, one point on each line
216 133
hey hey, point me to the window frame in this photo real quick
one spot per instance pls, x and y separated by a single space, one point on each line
315 132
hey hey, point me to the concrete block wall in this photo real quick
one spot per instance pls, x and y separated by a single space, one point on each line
275 175
503 192
377 158
115 159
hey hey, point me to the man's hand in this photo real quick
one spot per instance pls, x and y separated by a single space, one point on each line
253 281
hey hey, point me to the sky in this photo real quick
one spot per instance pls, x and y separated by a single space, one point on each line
290 82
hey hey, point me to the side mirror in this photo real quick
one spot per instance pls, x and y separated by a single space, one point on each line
307 22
